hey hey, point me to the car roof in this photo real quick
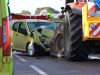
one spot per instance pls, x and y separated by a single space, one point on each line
28 20
32 20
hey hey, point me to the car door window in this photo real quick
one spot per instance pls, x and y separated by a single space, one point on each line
22 28
15 26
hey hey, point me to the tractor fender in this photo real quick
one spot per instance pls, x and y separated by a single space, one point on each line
74 7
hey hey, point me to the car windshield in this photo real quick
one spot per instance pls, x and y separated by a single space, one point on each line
34 25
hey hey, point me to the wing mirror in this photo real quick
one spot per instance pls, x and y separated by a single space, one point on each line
62 10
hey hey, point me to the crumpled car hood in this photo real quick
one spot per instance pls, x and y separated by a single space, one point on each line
43 39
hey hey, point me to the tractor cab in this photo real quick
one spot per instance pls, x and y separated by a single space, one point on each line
91 20
95 13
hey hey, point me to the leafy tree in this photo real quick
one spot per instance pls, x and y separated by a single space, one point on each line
49 9
25 12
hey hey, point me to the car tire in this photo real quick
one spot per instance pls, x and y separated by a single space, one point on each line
56 44
30 49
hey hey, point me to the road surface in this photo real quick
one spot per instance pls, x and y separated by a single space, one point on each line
46 65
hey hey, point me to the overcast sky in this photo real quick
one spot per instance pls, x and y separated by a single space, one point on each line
31 5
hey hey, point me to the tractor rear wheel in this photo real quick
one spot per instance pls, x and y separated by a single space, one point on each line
74 47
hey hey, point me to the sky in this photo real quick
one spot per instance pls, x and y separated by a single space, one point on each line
17 6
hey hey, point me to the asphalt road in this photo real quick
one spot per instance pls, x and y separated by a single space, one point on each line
46 65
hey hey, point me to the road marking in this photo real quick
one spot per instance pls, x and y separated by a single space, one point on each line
20 58
38 70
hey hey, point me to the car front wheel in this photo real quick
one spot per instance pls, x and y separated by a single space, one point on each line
30 49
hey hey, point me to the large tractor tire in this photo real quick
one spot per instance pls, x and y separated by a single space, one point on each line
75 49
56 45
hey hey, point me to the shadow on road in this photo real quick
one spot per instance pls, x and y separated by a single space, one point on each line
92 58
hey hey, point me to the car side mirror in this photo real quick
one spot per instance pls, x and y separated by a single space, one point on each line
62 10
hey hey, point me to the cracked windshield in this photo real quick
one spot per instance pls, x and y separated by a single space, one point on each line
49 37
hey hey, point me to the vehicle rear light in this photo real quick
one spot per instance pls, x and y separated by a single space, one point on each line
6 37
